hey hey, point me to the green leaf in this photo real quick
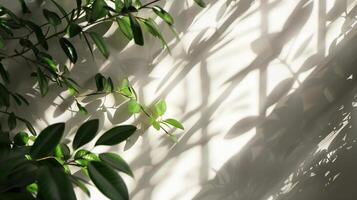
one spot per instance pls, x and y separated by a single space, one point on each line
22 99
60 8
42 82
48 60
124 26
54 184
38 32
80 184
108 85
98 10
24 7
153 28
73 29
155 124
160 107
83 156
163 15
68 49
11 121
119 5
21 138
133 106
82 109
108 181
4 74
117 162
174 123
4 96
29 127
116 135
79 4
62 151
52 17
85 133
99 42
100 81
136 29
201 3
47 141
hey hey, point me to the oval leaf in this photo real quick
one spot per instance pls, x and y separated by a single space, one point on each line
54 184
73 29
116 135
174 123
163 15
107 181
136 29
52 17
47 140
117 162
99 42
85 133
68 49
124 26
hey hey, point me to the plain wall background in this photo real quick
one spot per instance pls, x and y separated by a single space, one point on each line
229 57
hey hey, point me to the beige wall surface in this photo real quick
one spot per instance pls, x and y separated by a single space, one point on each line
229 58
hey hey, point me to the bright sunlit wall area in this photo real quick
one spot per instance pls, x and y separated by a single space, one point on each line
229 57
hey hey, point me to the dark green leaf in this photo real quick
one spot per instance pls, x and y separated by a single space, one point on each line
124 26
42 82
24 7
99 42
108 181
116 135
119 5
54 184
21 139
136 29
4 74
29 127
73 29
127 3
38 32
174 123
117 162
52 17
4 96
80 184
11 121
163 15
85 133
68 49
22 99
200 3
100 81
79 4
60 8
98 10
47 141
82 109
2 43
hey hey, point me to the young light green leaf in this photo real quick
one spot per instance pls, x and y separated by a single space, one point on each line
116 135
124 26
107 181
47 141
54 183
163 15
68 49
155 124
99 42
133 106
42 82
85 133
136 29
21 139
117 162
174 123
4 74
160 107
52 17
73 29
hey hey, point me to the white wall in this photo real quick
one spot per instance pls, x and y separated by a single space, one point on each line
229 57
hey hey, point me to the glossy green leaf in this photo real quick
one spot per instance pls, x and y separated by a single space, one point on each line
42 82
21 139
52 17
68 49
153 28
174 123
85 133
98 10
116 135
100 81
119 5
73 30
163 15
82 109
82 157
155 124
117 162
108 181
4 74
160 107
124 26
133 106
54 183
136 29
38 32
99 42
201 3
47 140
